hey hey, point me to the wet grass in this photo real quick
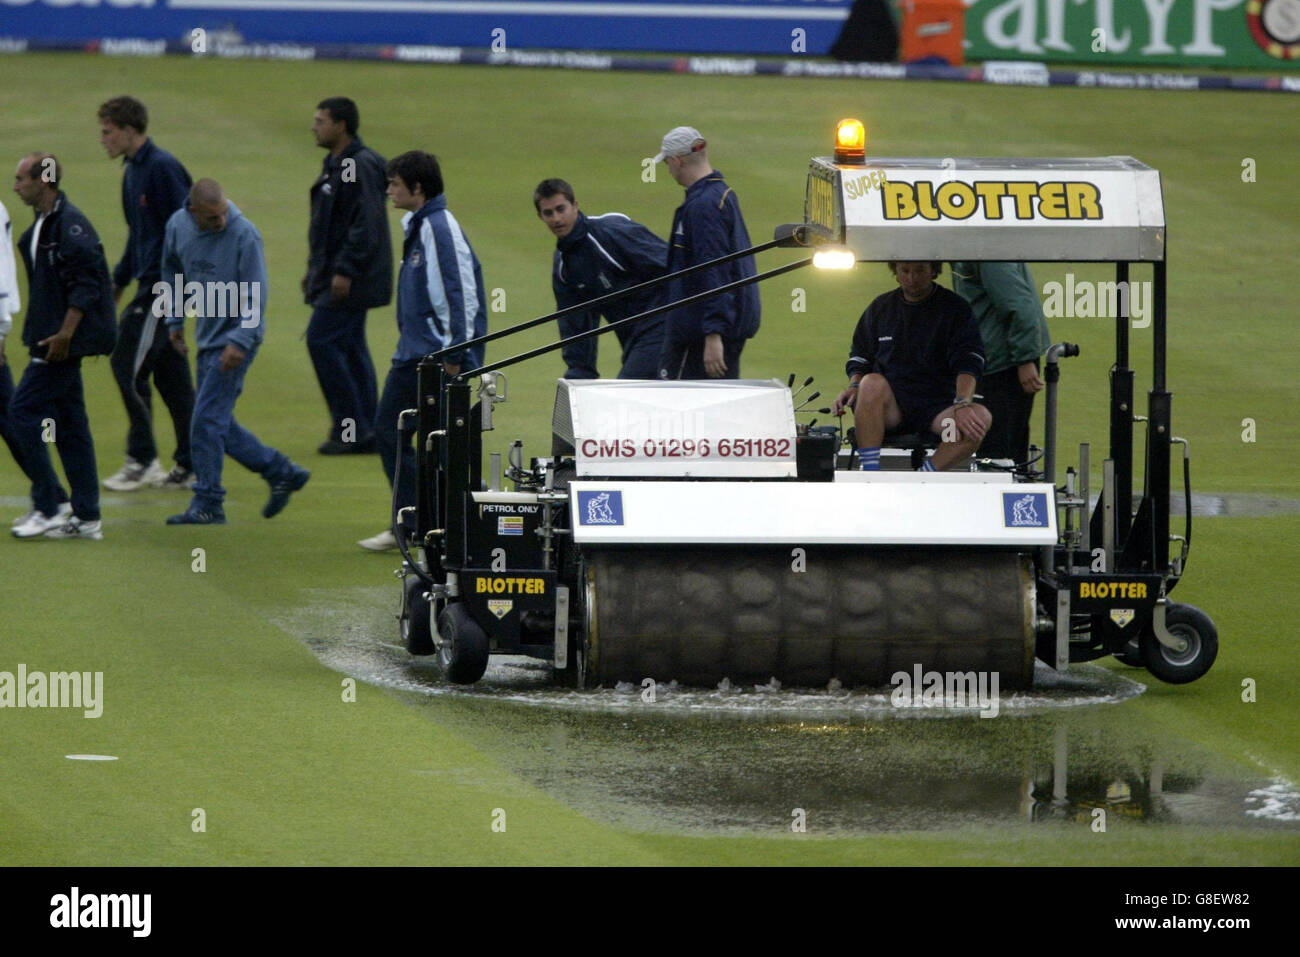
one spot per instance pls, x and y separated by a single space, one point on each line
213 702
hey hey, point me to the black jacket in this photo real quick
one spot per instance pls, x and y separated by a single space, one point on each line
348 235
70 270
154 185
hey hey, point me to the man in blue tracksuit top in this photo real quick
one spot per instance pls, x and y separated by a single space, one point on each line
596 256
212 260
440 302
154 186
705 340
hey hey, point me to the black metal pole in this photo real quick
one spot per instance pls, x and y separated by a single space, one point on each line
612 297
601 330
1121 414
1160 416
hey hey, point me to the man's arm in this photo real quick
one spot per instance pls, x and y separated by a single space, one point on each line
579 357
1012 293
862 359
450 266
122 272
368 218
171 267
642 254
252 279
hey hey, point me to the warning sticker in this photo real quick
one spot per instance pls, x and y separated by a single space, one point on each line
500 606
510 524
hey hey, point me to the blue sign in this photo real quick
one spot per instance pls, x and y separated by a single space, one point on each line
600 508
1025 510
776 27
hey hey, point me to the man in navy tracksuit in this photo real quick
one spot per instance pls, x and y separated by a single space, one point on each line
213 257
596 256
915 361
440 302
349 270
705 340
69 315
154 186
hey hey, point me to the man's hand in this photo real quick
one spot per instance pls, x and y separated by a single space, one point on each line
340 286
304 285
117 294
2 350
1029 378
58 345
177 337
715 366
232 357
846 400
451 368
969 423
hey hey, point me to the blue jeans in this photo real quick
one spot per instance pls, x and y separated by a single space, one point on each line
401 390
214 433
336 340
53 390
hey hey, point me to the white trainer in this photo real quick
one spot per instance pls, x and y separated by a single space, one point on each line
134 475
38 523
177 478
64 511
76 528
385 541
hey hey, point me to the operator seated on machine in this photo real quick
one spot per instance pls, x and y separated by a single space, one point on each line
916 356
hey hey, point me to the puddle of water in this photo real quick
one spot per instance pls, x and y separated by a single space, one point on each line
742 760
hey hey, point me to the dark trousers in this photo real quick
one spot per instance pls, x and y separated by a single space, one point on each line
49 405
401 391
336 340
143 349
641 358
217 434
685 360
1008 437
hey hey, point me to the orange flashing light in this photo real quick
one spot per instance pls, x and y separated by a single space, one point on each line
850 142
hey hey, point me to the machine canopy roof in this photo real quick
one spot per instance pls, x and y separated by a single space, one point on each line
1106 208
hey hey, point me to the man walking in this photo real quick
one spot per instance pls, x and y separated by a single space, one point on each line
69 315
215 257
596 256
349 270
705 340
440 302
154 185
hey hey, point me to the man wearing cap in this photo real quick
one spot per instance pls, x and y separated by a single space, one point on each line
705 340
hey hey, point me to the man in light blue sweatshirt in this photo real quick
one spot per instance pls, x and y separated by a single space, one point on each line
213 268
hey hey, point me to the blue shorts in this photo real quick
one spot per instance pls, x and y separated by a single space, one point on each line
918 411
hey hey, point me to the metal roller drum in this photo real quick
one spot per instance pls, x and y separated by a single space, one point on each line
708 613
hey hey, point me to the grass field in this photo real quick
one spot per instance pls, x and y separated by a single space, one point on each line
210 702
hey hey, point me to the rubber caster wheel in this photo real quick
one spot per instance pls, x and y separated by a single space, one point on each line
1200 646
416 618
463 651
1132 654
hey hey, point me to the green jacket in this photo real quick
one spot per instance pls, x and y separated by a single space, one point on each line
1005 301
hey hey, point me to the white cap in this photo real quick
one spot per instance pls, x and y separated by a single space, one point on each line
680 141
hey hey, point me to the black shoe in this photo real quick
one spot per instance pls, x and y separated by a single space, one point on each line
282 489
199 516
365 446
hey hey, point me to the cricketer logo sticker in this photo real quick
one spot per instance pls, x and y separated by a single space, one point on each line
600 508
1024 511
1122 616
500 606
510 524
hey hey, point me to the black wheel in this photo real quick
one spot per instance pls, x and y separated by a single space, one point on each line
416 619
463 651
1200 646
1132 654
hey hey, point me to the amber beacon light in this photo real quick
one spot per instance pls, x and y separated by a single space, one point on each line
850 141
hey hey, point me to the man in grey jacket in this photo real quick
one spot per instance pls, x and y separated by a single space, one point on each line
213 261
